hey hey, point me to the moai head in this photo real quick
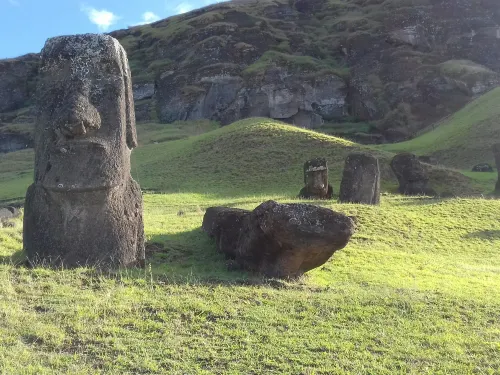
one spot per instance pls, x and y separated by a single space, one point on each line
85 127
316 176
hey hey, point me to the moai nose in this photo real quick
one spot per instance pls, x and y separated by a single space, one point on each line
81 117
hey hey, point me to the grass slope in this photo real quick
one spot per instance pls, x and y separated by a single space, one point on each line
464 139
415 292
256 155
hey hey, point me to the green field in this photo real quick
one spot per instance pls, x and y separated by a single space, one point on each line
416 291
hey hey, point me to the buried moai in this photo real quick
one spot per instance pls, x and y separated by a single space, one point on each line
361 180
84 208
411 174
496 153
316 180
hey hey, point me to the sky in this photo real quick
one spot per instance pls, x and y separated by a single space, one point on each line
25 25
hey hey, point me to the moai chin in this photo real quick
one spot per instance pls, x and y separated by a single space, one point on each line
84 208
316 180
496 153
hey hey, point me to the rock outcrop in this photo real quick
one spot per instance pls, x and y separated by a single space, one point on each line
278 240
397 64
16 77
361 180
84 208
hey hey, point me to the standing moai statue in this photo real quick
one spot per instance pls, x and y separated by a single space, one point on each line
84 208
496 153
411 174
316 180
361 180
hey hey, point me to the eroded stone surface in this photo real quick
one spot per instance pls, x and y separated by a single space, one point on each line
316 180
84 208
411 174
279 240
361 180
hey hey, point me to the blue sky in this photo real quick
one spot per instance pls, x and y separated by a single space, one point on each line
26 24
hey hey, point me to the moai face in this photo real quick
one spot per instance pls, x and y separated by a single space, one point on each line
316 176
85 120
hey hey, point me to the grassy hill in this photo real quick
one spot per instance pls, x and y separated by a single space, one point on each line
462 140
412 293
256 155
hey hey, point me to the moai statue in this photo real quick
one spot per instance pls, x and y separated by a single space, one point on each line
84 208
361 180
316 180
411 174
496 153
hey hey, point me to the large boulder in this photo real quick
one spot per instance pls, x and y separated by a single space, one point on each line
361 180
84 208
496 153
411 174
278 240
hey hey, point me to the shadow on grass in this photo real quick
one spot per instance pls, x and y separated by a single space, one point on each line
191 256
18 259
485 235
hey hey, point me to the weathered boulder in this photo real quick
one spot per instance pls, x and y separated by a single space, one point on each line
316 180
361 180
278 240
411 174
483 167
496 153
84 208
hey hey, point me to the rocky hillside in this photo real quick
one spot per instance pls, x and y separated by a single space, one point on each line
396 65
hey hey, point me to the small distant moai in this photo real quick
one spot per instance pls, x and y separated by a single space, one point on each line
361 180
84 208
411 174
316 180
496 153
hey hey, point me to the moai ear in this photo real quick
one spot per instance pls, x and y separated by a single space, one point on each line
129 102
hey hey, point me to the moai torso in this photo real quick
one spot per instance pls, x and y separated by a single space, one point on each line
84 208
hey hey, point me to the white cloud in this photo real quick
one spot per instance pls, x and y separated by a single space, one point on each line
184 8
102 18
14 2
148 17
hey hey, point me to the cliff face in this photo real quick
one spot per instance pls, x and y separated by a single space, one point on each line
16 76
397 64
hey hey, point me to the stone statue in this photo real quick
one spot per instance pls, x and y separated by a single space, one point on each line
496 153
361 180
316 180
411 174
84 208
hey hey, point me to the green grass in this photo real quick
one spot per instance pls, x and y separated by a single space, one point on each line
254 155
464 139
413 293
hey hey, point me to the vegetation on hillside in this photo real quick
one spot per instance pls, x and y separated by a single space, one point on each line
462 140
